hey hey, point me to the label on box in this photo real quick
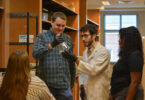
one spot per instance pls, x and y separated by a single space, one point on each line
23 38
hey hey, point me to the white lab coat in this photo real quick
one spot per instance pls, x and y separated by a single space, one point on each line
96 66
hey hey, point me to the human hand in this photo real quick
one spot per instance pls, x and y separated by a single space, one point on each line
57 40
69 55
110 97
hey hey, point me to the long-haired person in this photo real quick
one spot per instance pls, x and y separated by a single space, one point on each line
18 84
127 72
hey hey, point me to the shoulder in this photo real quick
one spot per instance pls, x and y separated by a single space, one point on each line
135 54
37 81
38 89
36 84
101 49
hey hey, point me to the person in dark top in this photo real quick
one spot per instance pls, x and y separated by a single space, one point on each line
127 72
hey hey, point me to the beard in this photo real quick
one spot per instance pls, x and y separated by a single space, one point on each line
90 43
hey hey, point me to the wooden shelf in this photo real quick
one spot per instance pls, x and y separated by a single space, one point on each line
46 21
70 28
2 69
19 43
92 22
47 25
54 6
22 15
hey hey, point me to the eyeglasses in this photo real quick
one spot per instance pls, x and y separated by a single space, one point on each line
85 35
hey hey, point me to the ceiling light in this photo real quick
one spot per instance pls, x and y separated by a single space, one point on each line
105 3
125 1
102 7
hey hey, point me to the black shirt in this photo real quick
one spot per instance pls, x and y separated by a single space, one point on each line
121 71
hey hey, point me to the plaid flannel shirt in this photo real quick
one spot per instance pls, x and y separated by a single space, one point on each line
54 69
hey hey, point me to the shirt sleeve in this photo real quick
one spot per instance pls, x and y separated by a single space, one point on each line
101 62
40 47
135 62
38 90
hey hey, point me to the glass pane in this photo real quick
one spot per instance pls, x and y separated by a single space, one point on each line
112 22
129 20
111 43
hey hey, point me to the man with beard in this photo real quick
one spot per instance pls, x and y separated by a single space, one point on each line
95 65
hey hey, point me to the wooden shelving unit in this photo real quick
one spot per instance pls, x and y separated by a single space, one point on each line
27 16
17 43
93 17
71 28
54 6
4 32
12 27
47 23
22 23
92 22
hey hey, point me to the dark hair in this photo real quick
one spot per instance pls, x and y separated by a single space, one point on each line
92 29
133 40
58 14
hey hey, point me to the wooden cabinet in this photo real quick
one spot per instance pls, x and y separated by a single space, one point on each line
94 18
97 27
19 24
1 31
12 28
4 32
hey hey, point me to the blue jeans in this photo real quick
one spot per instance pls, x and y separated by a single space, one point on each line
61 94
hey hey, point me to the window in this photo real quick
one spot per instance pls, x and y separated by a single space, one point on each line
111 31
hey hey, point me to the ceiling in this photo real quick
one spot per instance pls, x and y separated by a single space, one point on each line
97 4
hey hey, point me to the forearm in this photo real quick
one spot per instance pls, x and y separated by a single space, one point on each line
73 73
93 69
132 91
110 96
40 50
